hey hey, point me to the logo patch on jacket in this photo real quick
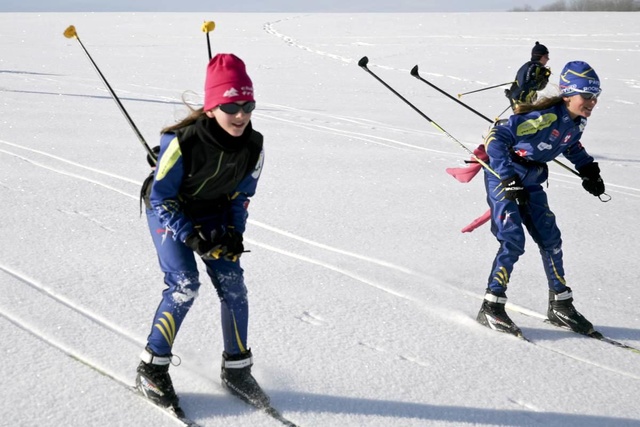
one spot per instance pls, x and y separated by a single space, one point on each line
532 126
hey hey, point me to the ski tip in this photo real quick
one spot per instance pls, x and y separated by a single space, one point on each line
274 413
414 71
363 62
595 334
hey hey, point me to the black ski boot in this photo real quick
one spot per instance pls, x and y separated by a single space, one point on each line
561 312
493 315
154 382
236 377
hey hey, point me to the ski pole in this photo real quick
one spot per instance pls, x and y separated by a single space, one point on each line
503 111
207 27
363 63
70 32
485 88
414 72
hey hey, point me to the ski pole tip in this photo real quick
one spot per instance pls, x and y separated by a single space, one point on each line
70 32
208 26
414 71
363 62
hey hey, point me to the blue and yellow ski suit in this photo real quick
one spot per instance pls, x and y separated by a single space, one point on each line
523 145
203 180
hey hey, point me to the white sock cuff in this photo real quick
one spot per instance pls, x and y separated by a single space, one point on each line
494 298
147 357
563 295
238 364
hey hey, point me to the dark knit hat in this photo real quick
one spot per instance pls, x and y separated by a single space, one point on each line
538 51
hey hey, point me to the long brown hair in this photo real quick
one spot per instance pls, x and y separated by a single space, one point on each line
541 104
194 114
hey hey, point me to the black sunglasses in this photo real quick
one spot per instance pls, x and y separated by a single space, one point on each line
233 108
589 96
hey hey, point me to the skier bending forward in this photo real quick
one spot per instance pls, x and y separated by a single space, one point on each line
197 200
518 151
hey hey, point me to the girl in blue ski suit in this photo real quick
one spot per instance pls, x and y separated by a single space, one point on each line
178 211
518 151
207 169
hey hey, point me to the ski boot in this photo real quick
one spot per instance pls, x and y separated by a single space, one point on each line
562 313
236 377
493 315
154 383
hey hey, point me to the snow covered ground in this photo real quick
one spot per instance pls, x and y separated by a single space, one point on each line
363 290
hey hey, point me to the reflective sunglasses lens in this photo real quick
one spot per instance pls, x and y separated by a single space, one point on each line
249 107
589 96
233 108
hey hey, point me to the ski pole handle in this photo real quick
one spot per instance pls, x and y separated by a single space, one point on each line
207 27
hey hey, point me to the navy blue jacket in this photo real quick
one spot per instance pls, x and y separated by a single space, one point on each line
531 77
537 136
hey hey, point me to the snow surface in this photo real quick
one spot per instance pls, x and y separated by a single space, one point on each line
363 289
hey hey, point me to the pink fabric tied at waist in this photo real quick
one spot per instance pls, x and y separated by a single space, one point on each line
465 175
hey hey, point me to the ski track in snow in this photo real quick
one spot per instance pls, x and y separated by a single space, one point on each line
270 28
307 316
91 337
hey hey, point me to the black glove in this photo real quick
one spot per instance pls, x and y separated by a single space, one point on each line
542 77
201 246
228 245
231 244
514 190
591 179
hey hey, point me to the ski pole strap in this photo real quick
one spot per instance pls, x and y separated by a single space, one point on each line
604 197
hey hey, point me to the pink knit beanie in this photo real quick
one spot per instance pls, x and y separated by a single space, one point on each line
227 81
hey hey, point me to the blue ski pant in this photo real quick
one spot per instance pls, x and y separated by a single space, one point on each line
178 263
508 221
